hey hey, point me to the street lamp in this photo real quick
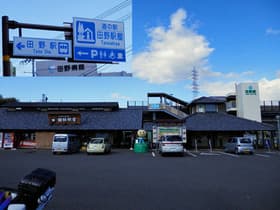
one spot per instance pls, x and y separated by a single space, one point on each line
278 129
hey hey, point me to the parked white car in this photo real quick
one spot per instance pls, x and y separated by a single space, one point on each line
98 145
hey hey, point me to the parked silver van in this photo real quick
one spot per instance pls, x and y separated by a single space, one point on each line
240 145
65 143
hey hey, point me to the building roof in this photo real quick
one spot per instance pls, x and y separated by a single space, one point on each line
113 105
122 119
223 122
209 100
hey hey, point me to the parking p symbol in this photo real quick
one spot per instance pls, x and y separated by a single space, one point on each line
94 53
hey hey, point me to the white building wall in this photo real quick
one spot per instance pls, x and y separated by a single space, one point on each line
248 101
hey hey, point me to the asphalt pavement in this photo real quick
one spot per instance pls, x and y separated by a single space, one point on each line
139 181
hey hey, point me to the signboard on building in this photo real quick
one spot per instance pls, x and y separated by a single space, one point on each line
64 119
166 130
98 40
37 47
8 140
64 68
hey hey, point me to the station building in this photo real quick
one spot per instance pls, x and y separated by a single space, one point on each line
206 120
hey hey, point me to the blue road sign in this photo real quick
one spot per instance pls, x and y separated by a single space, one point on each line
98 40
38 47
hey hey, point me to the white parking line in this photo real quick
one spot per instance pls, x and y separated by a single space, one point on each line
262 155
191 154
229 154
209 153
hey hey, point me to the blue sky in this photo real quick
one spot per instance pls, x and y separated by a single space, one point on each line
227 42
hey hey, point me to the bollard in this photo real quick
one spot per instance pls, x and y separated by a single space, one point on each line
195 142
210 145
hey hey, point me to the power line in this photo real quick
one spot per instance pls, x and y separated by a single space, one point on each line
115 9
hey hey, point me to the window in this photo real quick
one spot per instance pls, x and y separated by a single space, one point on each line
60 139
96 141
171 138
210 108
245 141
200 108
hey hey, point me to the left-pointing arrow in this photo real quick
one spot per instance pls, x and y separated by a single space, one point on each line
20 45
82 53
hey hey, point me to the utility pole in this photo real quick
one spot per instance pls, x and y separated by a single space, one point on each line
5 47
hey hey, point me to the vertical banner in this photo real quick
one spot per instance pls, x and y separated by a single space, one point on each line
184 134
1 139
154 134
8 140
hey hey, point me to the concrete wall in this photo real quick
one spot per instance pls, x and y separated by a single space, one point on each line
248 101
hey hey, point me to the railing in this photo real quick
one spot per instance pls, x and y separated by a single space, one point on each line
137 103
169 109
270 106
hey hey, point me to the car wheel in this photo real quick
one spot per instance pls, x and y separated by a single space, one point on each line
236 151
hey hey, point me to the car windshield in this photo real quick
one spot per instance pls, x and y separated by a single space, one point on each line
173 138
60 139
96 141
245 141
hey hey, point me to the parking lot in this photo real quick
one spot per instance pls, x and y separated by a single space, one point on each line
127 180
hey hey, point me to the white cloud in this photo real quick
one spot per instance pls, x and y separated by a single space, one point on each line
172 52
269 89
208 74
271 31
217 88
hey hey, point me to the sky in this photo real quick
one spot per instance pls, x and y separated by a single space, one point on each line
227 42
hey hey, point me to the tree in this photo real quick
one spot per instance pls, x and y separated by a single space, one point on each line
7 100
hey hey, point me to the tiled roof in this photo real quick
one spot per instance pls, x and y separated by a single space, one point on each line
123 119
114 105
223 122
209 100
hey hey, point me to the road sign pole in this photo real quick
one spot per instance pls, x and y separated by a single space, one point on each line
5 47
